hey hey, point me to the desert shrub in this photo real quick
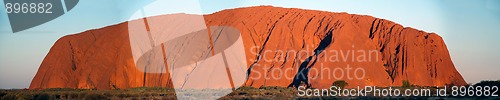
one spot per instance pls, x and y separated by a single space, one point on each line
253 92
139 89
9 96
273 88
95 96
57 96
340 83
107 94
406 84
488 83
170 97
24 96
171 90
2 93
42 96
133 95
237 93
122 95
72 95
81 95
268 87
145 94
243 88
62 95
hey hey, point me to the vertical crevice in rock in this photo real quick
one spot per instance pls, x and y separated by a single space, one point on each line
73 63
301 75
403 60
373 28
249 70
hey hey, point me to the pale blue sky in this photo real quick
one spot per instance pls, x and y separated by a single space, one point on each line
470 28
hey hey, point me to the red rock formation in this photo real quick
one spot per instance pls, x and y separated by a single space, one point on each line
98 59
310 41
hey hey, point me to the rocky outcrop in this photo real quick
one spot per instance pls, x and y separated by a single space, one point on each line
283 47
99 59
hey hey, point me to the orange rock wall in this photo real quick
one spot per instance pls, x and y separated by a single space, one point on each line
102 59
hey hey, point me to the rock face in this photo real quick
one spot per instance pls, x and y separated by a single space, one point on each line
283 47
93 59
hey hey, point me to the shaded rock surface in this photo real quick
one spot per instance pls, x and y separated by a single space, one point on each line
283 47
